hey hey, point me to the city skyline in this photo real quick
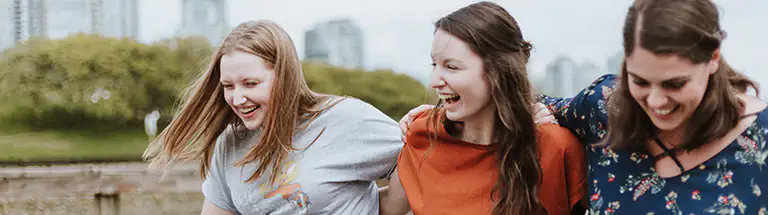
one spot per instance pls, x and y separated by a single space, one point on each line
337 42
207 18
399 37
56 19
398 33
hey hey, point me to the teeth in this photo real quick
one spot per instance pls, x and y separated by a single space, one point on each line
247 110
444 97
663 111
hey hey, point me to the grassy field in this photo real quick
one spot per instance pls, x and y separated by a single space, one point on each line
19 144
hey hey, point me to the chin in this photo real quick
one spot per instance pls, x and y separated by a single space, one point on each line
456 117
666 126
252 125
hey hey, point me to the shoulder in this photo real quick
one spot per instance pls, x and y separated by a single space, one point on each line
229 142
354 117
421 121
554 139
762 121
602 88
350 108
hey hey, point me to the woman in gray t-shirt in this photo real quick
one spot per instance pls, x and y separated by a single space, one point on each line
267 144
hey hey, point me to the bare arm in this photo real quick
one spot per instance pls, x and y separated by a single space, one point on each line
211 209
394 202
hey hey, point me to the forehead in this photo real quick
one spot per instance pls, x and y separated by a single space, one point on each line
445 45
647 65
239 64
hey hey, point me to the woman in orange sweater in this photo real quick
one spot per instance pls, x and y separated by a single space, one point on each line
479 151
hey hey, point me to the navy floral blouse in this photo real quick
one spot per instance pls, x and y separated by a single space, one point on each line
623 182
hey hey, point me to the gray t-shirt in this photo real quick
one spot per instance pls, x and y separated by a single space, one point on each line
335 175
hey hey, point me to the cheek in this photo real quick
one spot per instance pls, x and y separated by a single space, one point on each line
228 97
690 95
481 90
637 93
261 94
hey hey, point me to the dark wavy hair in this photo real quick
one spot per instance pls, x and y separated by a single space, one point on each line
492 33
691 30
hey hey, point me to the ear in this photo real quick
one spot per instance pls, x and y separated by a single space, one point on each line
714 63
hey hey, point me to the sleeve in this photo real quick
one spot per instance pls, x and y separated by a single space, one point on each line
586 113
367 146
215 188
575 169
392 170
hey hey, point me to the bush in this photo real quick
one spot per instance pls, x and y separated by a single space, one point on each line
90 81
87 81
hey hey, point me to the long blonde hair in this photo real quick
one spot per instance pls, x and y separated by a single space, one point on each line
204 114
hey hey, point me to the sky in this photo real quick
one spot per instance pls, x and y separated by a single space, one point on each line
398 33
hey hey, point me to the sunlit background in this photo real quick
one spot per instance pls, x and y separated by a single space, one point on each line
85 84
398 33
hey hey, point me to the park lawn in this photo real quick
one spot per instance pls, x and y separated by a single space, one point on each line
21 145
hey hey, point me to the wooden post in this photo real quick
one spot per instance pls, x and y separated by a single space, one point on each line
107 204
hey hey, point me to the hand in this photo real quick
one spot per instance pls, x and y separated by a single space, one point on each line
408 118
543 115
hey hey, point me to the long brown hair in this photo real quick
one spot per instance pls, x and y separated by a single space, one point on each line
205 114
492 33
688 29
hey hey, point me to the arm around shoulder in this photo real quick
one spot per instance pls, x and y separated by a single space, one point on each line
570 164
366 143
585 111
575 168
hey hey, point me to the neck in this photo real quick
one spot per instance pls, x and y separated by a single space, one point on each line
672 138
479 129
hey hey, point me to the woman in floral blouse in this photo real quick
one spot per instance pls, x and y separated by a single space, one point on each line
684 137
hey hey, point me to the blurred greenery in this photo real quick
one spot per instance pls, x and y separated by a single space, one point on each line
85 96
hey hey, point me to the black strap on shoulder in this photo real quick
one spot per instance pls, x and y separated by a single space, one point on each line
668 152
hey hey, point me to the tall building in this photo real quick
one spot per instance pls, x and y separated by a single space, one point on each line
116 18
559 77
613 64
207 18
66 17
60 18
336 42
21 19
109 18
29 18
6 24
565 77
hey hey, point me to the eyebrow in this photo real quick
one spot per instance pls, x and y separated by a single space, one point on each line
247 78
445 60
671 80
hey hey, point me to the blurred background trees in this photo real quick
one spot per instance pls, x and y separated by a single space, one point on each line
92 82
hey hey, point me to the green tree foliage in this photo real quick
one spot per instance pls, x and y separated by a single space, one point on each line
87 81
394 94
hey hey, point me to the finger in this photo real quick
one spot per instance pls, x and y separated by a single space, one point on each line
549 120
403 126
552 119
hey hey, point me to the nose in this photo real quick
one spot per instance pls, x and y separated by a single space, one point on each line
657 98
436 81
239 98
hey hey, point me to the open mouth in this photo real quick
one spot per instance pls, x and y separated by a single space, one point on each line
450 98
667 111
249 110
